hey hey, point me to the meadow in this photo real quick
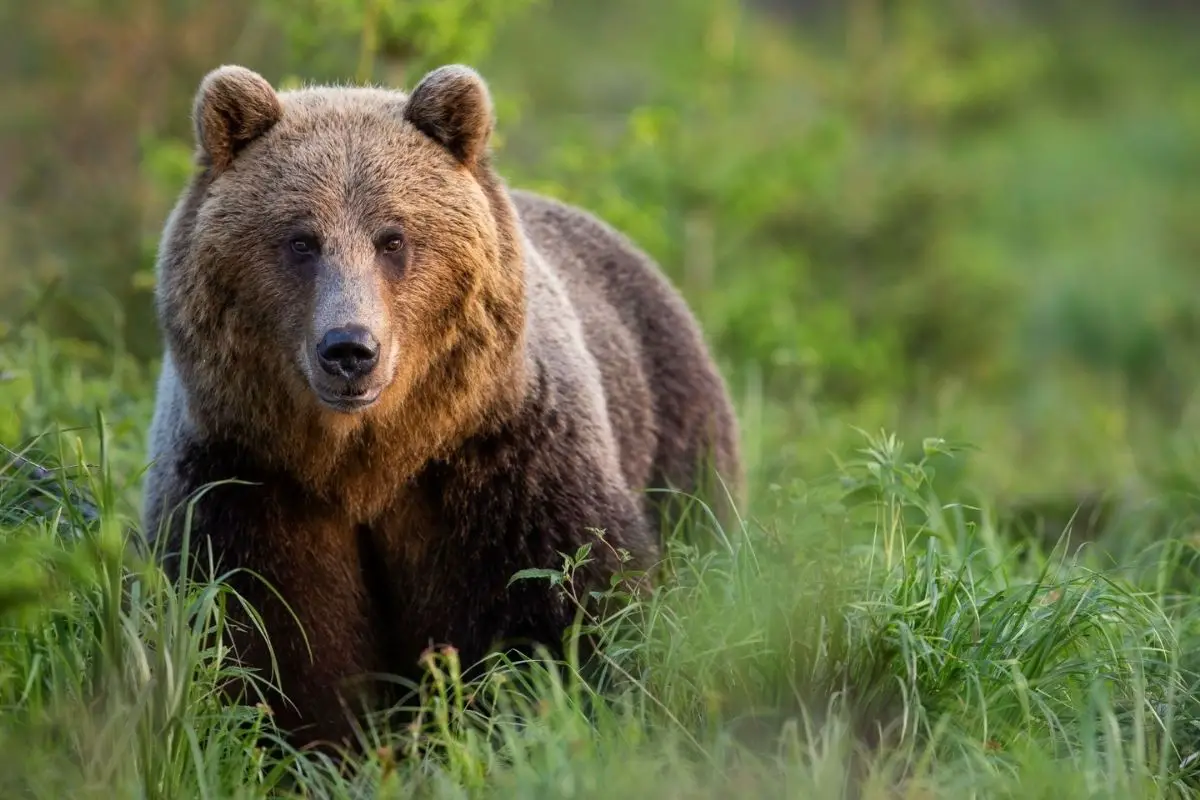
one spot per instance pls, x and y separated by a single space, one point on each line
945 253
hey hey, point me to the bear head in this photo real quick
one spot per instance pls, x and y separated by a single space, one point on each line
345 269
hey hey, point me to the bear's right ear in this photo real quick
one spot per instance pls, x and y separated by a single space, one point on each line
452 106
233 107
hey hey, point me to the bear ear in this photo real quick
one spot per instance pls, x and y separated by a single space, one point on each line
233 107
452 106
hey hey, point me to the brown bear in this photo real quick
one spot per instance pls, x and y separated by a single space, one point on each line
402 383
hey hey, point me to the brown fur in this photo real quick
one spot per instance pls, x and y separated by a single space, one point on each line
536 374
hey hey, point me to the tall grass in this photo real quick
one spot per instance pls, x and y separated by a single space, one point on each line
874 641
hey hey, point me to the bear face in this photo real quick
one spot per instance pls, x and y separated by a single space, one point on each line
344 268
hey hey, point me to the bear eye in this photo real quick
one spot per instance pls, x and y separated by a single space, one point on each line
389 244
303 245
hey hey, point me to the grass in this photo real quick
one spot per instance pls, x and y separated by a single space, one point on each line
861 636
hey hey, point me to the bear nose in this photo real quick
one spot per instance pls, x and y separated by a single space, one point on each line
349 352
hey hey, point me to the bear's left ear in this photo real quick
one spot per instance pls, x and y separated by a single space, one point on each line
233 107
452 106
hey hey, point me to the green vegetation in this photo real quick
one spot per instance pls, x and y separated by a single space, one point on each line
962 222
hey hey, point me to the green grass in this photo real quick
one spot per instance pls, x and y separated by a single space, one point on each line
859 636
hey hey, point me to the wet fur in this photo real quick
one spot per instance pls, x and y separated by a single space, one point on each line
544 375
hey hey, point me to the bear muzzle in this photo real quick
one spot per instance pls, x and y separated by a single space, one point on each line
348 357
351 352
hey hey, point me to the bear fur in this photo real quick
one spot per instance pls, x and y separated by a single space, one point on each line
533 375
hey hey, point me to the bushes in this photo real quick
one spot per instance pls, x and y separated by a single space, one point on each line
868 213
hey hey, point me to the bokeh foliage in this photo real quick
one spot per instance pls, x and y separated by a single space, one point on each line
966 215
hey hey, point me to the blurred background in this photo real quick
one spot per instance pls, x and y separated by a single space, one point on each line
971 219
